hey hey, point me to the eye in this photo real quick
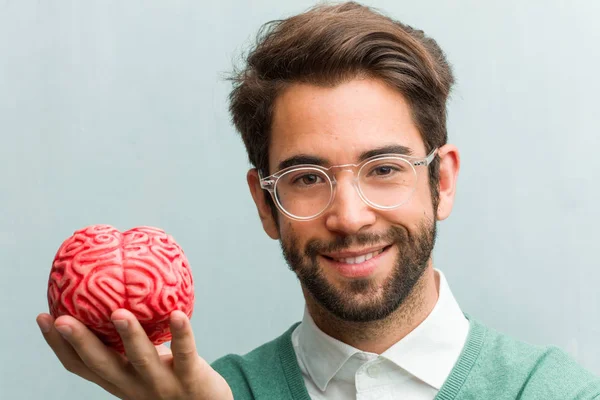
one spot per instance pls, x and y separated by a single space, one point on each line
308 180
385 170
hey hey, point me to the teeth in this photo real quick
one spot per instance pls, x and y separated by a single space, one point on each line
359 259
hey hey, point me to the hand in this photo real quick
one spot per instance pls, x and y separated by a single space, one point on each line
145 372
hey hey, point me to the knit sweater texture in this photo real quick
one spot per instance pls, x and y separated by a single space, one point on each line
491 366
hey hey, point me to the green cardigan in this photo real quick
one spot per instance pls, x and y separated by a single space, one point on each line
491 366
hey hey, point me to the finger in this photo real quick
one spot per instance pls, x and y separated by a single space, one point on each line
100 359
140 351
186 362
195 374
69 357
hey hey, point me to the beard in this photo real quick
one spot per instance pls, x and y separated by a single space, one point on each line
413 253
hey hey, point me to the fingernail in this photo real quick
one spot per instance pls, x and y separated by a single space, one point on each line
44 325
64 330
120 324
178 323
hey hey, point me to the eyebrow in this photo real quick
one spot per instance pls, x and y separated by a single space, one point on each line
392 149
314 160
301 159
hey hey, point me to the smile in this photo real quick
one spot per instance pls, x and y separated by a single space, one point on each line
356 257
359 259
357 264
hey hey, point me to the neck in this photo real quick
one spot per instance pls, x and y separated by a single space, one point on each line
378 336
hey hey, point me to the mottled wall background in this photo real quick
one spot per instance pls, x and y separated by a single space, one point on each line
116 112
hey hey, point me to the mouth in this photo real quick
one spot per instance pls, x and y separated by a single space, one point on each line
357 264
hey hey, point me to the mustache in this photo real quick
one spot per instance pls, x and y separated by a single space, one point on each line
340 243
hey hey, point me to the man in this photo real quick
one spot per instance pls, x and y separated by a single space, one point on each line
342 111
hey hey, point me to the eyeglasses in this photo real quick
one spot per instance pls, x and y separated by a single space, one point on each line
384 182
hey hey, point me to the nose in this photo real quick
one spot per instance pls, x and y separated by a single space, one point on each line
348 213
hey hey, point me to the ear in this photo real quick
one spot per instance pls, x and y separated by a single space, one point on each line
449 167
264 210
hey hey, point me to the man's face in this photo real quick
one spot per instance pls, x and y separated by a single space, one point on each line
329 254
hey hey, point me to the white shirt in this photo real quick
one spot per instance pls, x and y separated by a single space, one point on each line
414 368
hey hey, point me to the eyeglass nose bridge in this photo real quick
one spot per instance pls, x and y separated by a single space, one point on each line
353 169
333 170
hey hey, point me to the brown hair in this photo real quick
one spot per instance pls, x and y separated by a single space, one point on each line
330 44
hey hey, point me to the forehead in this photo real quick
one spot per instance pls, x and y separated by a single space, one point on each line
339 123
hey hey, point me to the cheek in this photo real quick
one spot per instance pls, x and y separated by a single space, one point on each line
296 233
422 195
418 208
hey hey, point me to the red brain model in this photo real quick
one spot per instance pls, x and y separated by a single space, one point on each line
99 269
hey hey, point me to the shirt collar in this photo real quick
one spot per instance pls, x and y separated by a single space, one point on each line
322 355
429 352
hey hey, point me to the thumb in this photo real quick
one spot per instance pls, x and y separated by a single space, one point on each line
194 373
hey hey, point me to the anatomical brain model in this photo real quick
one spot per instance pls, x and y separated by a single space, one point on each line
99 269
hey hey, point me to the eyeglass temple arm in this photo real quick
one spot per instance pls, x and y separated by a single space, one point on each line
265 183
427 160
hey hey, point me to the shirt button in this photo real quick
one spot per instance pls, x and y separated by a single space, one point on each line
374 371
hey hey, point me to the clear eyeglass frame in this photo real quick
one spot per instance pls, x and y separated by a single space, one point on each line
269 183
